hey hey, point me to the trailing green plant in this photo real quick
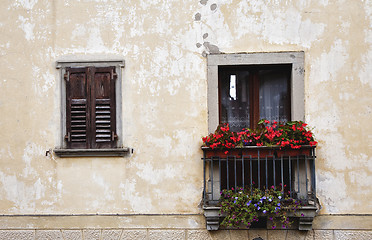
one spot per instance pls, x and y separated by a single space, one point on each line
242 207
291 134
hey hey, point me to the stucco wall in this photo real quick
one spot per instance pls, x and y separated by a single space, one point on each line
164 44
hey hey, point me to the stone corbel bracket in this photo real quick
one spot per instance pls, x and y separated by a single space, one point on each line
212 217
306 216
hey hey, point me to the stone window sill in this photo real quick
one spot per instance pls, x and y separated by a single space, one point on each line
109 152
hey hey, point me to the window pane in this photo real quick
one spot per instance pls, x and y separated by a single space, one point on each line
274 95
234 99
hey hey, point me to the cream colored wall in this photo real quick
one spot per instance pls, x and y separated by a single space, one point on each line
164 44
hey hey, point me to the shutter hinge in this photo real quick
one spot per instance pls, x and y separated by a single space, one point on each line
113 136
66 76
68 137
114 75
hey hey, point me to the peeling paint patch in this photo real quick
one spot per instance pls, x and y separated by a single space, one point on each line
27 4
161 143
23 196
43 81
130 193
345 96
31 151
362 186
365 72
4 49
327 66
288 27
79 31
6 152
27 27
149 114
107 192
323 2
272 24
182 140
331 187
95 42
155 176
213 22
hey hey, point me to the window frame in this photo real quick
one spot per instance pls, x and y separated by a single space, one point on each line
118 150
297 92
254 82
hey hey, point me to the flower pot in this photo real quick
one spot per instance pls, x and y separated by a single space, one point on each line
258 152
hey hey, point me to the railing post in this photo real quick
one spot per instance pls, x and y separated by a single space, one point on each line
204 178
216 178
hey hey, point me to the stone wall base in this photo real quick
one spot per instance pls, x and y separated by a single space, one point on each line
170 227
186 234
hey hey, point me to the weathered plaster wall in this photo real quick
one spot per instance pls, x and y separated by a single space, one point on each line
164 44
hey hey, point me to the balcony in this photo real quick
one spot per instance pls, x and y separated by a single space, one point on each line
261 167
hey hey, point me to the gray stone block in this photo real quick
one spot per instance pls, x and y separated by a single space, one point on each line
17 234
238 234
257 234
310 235
220 235
296 235
90 234
113 234
323 235
167 235
49 235
72 234
352 235
198 235
134 235
276 234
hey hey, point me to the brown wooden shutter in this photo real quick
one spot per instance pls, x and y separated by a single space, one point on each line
103 110
77 120
90 107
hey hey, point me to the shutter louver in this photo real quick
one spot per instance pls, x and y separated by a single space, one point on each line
78 120
103 120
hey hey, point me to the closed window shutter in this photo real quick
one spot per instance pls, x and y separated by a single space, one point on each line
90 107
77 119
103 107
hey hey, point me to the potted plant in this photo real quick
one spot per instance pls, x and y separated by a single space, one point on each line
272 139
242 207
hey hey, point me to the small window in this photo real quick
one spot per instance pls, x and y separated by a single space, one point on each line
91 109
249 93
246 87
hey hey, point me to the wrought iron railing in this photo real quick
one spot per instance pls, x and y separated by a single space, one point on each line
290 170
